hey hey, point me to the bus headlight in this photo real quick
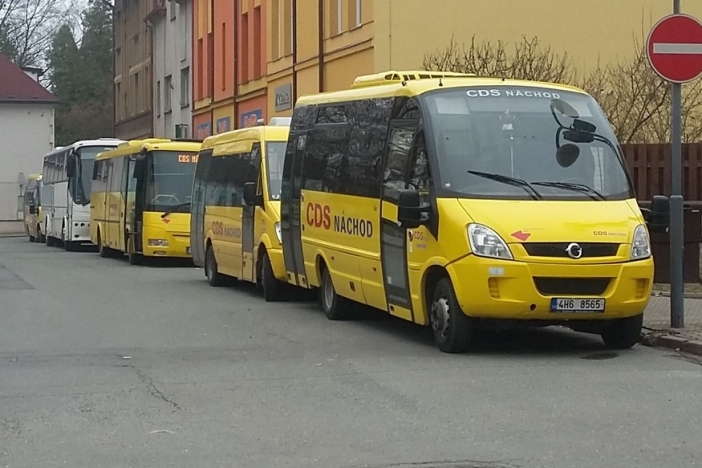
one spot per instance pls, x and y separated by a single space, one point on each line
640 246
485 242
278 232
158 243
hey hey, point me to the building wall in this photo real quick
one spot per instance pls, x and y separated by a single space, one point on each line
133 74
33 125
598 31
203 66
172 32
347 50
252 84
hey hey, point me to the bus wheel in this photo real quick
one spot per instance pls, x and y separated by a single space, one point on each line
623 333
49 241
271 285
214 277
334 306
103 251
452 329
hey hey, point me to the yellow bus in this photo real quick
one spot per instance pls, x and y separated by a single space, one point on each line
140 200
235 224
457 202
32 208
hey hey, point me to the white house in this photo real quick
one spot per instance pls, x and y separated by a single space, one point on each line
26 135
172 38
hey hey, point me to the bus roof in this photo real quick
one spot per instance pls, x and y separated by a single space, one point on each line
82 143
393 83
251 134
150 144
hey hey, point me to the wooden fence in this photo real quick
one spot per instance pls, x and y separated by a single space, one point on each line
649 165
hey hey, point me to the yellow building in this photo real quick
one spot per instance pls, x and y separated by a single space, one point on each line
365 36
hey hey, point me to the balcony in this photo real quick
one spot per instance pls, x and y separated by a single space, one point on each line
158 8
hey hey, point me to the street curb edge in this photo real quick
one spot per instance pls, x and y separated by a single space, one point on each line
672 342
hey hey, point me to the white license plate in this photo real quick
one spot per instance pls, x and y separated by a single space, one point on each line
562 304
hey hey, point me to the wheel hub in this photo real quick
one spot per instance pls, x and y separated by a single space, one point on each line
440 315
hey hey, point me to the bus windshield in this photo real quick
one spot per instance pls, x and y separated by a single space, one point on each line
502 143
275 156
170 181
81 186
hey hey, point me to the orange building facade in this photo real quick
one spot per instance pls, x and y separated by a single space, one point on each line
229 65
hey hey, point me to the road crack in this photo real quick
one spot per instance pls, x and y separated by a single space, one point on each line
151 387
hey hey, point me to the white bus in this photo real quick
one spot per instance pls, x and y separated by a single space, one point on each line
67 178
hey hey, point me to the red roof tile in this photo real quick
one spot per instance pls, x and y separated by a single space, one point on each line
17 86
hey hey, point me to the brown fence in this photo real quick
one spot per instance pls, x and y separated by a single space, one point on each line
649 165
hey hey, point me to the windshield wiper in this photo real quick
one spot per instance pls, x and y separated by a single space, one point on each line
510 181
174 208
591 192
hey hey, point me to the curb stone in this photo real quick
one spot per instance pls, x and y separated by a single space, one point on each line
687 295
676 343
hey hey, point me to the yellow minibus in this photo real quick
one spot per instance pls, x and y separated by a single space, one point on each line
235 223
140 201
458 202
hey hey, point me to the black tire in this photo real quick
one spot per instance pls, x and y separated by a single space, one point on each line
623 333
272 288
453 331
335 307
31 237
214 277
40 236
49 241
103 251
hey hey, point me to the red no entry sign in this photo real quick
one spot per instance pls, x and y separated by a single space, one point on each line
675 48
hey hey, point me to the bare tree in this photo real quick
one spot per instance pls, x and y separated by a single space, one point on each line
27 27
528 60
637 101
634 98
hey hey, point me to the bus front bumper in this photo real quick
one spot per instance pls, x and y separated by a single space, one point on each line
158 242
498 289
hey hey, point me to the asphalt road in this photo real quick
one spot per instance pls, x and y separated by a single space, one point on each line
103 364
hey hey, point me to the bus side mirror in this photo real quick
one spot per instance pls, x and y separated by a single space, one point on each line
250 196
658 216
409 211
71 165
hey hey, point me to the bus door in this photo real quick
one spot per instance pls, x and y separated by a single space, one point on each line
291 221
393 237
253 172
199 207
128 193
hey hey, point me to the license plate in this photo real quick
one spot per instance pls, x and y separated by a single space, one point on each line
577 305
187 250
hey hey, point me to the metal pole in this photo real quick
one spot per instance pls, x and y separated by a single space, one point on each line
677 300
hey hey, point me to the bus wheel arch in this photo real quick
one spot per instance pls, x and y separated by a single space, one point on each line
214 277
334 306
453 330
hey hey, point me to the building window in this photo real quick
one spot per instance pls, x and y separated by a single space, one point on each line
137 94
167 87
158 98
173 6
224 56
359 15
185 87
258 73
287 27
200 70
275 29
339 16
245 48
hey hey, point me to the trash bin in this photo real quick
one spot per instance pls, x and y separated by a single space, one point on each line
660 247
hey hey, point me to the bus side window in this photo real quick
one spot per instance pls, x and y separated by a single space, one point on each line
398 151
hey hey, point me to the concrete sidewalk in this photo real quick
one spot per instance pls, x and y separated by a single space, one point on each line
657 330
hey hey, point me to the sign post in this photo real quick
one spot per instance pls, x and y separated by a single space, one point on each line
674 49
